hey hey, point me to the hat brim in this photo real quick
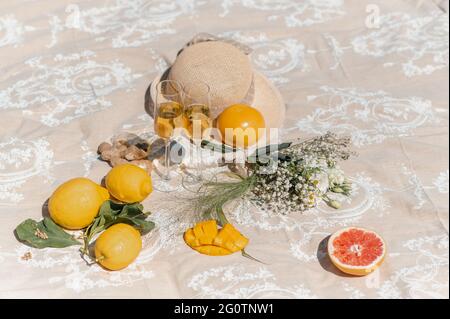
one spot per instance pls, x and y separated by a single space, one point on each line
267 99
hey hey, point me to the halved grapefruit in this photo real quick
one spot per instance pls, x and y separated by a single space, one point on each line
356 251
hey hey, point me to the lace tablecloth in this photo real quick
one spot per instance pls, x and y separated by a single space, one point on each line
73 73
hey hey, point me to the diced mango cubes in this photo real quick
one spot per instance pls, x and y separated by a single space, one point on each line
206 238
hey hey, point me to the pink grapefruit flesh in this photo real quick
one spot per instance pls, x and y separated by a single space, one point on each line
356 251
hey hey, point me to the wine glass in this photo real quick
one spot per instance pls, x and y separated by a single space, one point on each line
196 97
168 117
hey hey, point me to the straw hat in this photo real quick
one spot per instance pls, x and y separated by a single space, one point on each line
226 67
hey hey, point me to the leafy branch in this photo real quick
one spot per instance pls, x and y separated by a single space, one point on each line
112 213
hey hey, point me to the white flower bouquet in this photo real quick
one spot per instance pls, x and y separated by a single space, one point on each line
285 178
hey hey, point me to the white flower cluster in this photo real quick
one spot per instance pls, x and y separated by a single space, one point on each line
304 173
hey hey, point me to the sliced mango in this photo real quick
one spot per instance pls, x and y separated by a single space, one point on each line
206 232
210 228
230 238
190 239
207 239
212 250
242 242
237 238
221 238
198 230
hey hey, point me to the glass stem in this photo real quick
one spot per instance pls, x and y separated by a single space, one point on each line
198 163
166 174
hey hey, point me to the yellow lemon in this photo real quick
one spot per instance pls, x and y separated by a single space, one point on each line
118 246
74 204
239 125
128 183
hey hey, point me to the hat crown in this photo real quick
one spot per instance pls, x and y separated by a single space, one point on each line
225 68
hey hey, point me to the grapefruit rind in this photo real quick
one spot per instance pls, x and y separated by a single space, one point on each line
351 269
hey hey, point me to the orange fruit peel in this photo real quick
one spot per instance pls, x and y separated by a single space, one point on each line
207 239
243 122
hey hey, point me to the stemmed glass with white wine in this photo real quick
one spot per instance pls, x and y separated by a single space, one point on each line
168 117
196 97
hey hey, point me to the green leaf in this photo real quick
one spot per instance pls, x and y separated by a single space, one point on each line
221 148
132 210
110 208
260 159
269 149
144 226
116 207
105 209
101 221
44 234
113 213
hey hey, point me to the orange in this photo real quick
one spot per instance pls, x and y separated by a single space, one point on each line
118 246
243 123
75 203
356 251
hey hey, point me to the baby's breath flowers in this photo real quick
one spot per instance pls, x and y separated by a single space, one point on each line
292 177
302 175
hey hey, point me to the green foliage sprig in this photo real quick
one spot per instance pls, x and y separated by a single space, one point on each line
113 213
46 233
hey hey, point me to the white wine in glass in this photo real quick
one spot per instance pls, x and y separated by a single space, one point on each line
168 116
197 110
199 119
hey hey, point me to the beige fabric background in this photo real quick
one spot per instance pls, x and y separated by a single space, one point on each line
73 73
